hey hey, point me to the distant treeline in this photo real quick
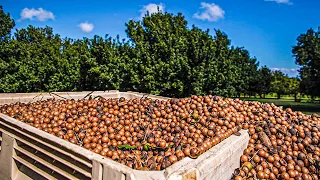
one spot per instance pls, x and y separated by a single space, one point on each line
161 56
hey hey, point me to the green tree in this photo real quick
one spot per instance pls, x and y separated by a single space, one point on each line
106 68
307 56
158 62
7 55
244 71
37 60
169 59
9 52
264 81
225 71
280 83
162 57
41 58
6 25
294 87
66 76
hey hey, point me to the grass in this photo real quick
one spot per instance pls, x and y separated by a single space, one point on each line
288 102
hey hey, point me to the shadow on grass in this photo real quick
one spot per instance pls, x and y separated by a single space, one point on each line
304 107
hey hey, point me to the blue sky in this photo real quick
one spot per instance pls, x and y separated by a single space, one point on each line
267 28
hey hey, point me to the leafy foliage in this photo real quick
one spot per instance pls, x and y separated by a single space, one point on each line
162 56
264 77
6 24
279 84
307 55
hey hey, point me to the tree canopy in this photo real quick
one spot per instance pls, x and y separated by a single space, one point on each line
307 56
6 24
162 56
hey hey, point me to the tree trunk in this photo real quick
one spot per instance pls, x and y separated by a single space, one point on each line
278 95
264 95
260 95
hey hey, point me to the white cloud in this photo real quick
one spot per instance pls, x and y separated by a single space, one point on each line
86 27
151 8
286 70
40 14
211 12
281 1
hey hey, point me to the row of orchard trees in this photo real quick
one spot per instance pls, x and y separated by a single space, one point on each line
275 82
161 56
